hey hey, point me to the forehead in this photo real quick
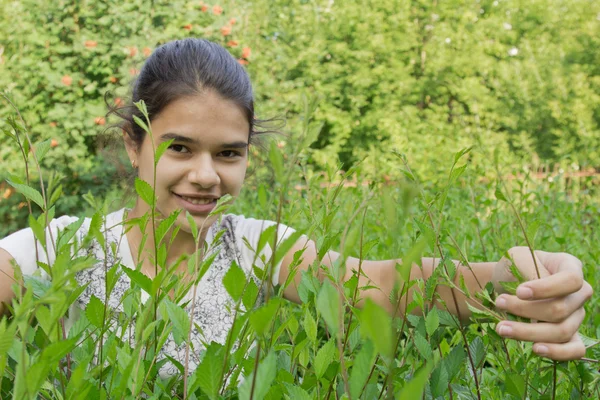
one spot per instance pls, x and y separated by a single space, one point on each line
206 118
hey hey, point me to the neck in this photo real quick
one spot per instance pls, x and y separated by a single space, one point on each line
182 243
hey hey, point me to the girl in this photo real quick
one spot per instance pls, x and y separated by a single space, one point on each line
201 99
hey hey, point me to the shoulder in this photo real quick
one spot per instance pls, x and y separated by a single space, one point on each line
252 228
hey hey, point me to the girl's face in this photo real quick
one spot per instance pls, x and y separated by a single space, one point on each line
207 159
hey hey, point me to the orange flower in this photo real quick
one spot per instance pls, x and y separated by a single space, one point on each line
147 51
67 80
53 124
232 21
246 51
204 8
21 205
99 121
133 71
132 51
226 30
187 27
7 193
118 101
54 143
217 10
90 44
242 61
232 43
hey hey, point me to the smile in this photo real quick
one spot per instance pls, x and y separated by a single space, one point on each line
197 201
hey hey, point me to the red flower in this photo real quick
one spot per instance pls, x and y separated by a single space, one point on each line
226 30
242 61
90 44
147 51
232 43
99 121
54 143
217 10
204 8
187 27
67 80
246 52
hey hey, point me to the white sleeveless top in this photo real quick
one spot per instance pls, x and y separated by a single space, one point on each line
213 310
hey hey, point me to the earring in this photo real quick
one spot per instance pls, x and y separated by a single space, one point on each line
133 164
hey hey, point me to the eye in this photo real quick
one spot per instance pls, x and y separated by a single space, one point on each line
178 148
230 154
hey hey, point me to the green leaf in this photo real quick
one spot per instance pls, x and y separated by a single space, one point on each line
499 195
180 320
139 279
532 230
376 325
328 305
94 311
439 381
262 318
432 321
515 385
264 378
166 225
284 247
509 287
234 281
276 159
361 369
207 376
141 123
41 149
423 346
222 205
454 360
145 191
160 150
516 273
413 256
38 230
477 351
324 358
296 392
29 192
414 388
310 326
193 225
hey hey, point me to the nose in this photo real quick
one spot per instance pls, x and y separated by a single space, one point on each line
203 172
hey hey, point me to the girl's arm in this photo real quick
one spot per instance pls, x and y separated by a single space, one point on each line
557 298
6 280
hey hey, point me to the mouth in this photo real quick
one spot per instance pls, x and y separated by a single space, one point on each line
197 204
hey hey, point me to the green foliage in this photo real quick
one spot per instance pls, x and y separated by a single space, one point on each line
400 84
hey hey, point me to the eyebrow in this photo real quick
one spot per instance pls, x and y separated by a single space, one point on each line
185 139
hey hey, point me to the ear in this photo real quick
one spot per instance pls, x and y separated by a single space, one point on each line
130 145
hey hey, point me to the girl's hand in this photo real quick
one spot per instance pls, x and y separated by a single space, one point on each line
555 300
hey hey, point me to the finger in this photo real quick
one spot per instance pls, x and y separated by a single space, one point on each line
574 349
543 331
529 266
549 310
558 285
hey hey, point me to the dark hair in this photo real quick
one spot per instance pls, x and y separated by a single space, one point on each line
184 68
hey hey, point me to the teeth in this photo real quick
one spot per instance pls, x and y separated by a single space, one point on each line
197 201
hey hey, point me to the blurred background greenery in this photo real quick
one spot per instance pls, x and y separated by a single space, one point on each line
519 80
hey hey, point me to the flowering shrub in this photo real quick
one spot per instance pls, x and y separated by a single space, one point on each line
62 57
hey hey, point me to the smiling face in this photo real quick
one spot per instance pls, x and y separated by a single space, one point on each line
207 159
